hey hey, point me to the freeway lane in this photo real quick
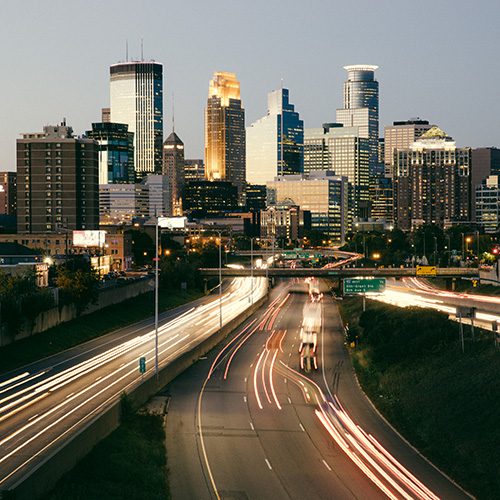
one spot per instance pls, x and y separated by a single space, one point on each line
245 423
42 405
421 293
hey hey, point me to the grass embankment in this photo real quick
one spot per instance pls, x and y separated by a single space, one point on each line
130 463
88 327
444 402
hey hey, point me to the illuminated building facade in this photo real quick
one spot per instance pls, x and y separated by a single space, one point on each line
194 170
323 194
431 182
280 132
116 152
487 200
8 193
225 131
57 181
173 168
345 152
210 198
136 97
361 107
401 135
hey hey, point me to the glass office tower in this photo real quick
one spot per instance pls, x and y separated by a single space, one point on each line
136 97
269 151
361 107
116 152
225 131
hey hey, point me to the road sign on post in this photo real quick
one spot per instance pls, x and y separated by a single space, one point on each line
426 271
142 364
356 286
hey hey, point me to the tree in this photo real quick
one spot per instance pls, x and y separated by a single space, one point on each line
143 247
78 284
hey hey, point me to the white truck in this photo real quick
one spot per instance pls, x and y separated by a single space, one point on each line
311 327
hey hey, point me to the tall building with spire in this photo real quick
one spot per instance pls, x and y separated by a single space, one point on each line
173 168
136 98
225 131
275 143
361 107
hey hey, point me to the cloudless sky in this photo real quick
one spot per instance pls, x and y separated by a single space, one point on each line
439 60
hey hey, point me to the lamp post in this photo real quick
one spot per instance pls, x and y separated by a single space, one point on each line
463 246
157 259
477 243
220 280
435 250
251 270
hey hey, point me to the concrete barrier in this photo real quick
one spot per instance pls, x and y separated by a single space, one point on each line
44 477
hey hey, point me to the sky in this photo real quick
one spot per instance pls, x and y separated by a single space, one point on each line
439 60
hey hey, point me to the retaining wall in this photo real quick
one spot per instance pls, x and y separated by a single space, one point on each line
41 480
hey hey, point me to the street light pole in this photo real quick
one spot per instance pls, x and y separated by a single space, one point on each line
477 241
220 280
251 270
156 301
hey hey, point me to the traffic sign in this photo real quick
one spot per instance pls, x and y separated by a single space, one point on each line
466 312
354 286
142 364
426 271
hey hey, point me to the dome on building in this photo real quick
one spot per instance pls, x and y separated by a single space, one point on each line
434 133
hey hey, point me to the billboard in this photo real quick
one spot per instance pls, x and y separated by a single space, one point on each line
172 222
88 238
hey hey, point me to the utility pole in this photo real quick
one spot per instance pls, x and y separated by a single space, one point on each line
251 270
156 300
220 280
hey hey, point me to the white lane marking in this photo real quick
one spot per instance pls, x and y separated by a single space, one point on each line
244 399
251 365
268 464
34 416
302 428
69 395
251 426
327 466
246 378
285 380
289 401
98 378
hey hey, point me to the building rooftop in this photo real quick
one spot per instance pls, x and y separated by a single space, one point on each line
361 67
434 133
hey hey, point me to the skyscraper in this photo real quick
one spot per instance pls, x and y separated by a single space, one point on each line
8 193
116 152
59 187
361 107
344 151
431 182
266 143
136 98
401 135
225 131
173 168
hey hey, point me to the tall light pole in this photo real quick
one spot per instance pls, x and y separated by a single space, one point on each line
463 247
220 280
251 270
477 241
157 259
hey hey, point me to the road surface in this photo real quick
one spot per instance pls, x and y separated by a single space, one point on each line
43 404
246 423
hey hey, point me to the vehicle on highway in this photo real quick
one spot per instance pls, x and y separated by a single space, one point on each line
311 326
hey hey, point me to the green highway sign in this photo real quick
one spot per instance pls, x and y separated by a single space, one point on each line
354 286
142 364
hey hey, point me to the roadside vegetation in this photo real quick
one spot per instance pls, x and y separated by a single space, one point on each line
85 328
130 463
447 404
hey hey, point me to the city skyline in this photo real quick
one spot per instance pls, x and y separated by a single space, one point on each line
412 84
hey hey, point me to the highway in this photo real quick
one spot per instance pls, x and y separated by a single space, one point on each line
43 404
421 293
247 423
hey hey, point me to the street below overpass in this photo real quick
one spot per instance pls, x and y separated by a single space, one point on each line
246 423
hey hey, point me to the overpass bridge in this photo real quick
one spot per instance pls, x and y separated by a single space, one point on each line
352 272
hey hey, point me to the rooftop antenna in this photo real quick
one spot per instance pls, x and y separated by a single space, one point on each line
173 114
126 50
142 50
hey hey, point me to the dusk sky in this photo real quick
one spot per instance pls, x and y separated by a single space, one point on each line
439 60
